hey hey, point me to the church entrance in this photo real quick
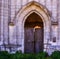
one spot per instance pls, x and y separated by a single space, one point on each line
33 31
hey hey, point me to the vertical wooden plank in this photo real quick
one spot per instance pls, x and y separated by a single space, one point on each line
29 40
38 40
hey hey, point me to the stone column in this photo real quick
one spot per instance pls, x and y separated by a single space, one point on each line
5 21
0 20
59 21
2 23
12 34
1 43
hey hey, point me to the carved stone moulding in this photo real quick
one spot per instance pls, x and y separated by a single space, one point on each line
54 23
11 24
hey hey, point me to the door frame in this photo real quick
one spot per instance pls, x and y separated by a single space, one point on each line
22 16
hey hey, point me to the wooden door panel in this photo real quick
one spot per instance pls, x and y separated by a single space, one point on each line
29 39
33 40
38 40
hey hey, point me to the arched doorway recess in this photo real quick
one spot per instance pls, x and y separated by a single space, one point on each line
42 12
33 37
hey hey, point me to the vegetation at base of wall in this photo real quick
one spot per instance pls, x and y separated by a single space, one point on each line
55 55
19 55
42 55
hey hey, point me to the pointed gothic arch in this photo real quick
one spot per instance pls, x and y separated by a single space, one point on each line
24 13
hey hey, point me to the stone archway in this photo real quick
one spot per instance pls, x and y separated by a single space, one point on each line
24 13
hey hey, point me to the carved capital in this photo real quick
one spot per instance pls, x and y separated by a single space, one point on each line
11 24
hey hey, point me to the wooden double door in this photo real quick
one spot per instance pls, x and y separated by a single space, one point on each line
33 42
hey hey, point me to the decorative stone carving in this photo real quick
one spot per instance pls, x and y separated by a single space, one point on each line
11 24
54 23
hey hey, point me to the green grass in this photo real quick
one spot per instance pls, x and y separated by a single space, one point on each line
18 55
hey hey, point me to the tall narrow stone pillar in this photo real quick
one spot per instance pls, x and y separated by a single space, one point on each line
1 23
12 37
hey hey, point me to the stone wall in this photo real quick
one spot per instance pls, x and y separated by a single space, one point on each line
9 10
